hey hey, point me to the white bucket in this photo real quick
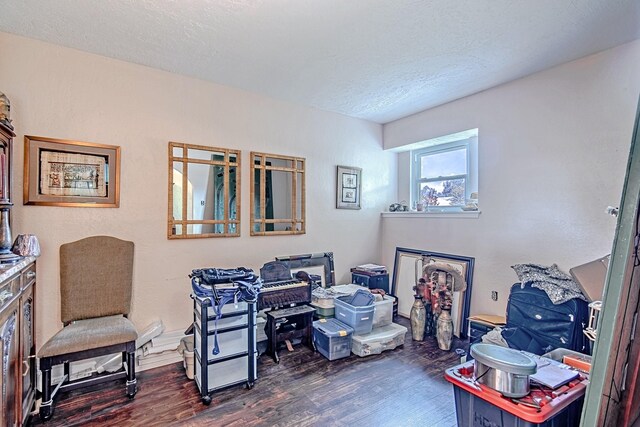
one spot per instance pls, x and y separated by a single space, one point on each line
187 362
186 348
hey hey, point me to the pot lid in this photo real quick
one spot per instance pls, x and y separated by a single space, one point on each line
505 359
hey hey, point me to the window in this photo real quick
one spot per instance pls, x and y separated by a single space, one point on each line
444 174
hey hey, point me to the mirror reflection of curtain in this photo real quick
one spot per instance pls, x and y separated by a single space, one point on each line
218 199
213 206
177 195
268 185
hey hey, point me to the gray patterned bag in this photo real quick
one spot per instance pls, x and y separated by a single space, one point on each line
559 286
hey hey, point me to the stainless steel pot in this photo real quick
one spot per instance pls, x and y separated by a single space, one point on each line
502 369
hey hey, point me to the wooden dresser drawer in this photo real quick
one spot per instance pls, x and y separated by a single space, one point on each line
28 275
8 291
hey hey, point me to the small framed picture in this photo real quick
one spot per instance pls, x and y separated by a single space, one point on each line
71 173
349 186
349 180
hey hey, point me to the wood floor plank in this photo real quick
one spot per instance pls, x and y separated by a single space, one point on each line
402 387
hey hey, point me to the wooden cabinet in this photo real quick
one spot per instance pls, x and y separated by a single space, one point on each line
17 342
27 341
9 345
17 308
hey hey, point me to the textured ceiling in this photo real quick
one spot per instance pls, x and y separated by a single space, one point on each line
375 59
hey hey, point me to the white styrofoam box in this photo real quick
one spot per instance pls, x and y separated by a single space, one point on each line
87 367
383 312
150 332
379 340
232 371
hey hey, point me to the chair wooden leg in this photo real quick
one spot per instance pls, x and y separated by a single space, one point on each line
46 407
132 387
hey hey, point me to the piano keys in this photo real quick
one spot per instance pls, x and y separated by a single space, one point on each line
279 289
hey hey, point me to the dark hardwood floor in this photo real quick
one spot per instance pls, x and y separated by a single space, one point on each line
402 387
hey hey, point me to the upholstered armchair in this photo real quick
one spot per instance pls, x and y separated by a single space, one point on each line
95 290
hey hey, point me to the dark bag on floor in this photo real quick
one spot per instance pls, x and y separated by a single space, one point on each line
552 326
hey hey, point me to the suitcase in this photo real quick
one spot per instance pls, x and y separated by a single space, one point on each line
552 326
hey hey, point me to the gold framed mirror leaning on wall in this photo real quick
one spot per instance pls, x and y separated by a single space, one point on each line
204 192
277 194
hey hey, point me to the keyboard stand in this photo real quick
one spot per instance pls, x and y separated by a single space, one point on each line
277 329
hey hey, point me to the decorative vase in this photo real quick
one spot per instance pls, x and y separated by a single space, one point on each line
418 316
445 330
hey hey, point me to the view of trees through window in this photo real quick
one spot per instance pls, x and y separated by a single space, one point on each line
442 177
443 193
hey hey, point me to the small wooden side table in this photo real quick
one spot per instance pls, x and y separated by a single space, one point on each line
280 327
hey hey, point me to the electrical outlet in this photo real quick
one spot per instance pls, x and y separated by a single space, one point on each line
494 295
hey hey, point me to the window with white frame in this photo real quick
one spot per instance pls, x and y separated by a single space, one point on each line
444 175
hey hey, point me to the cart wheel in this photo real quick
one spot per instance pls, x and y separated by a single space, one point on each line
250 385
206 400
46 412
132 389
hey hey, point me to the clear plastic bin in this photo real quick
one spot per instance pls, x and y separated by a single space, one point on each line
332 338
383 312
380 339
359 318
571 358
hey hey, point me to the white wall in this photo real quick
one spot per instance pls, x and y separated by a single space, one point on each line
63 93
553 149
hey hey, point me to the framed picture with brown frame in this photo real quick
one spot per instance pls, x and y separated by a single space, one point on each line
60 172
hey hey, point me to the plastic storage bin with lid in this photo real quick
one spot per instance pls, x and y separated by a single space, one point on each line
378 340
332 338
383 311
356 311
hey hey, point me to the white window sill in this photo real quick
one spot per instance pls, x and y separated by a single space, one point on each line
432 214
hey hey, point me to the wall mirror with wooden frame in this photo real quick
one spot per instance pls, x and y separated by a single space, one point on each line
204 192
277 194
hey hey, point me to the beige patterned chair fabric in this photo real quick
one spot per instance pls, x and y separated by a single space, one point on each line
95 278
90 333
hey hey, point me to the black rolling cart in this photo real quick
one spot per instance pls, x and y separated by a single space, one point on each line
235 360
